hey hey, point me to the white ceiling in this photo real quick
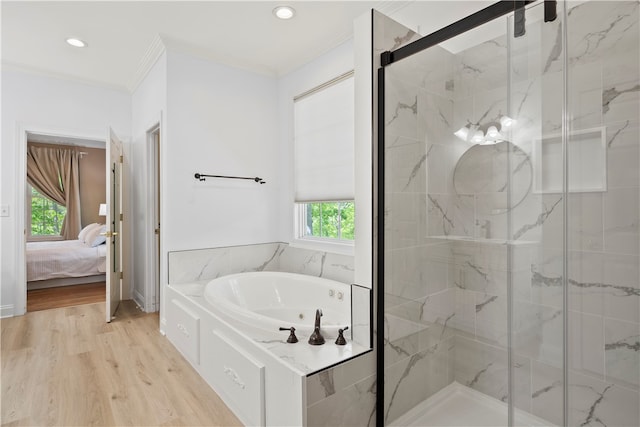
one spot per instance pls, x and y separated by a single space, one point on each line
239 33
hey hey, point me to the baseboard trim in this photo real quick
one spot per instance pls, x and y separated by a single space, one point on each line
65 281
163 326
6 311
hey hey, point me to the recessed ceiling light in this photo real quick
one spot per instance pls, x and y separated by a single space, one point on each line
76 42
284 12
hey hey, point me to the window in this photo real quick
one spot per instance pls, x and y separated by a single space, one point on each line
45 216
324 161
331 220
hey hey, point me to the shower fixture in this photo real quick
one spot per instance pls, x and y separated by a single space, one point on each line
486 134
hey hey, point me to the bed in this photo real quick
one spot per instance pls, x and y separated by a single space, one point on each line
54 260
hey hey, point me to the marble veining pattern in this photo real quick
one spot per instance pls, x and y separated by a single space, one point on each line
608 95
400 41
591 417
262 267
538 279
447 222
542 217
400 106
546 389
480 306
631 343
417 169
613 137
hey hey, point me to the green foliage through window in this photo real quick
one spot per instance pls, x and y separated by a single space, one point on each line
334 220
46 215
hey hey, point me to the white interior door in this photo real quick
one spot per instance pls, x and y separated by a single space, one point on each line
115 161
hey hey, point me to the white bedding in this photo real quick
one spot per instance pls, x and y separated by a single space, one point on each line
64 258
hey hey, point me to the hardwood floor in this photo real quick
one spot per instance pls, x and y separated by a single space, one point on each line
65 296
67 367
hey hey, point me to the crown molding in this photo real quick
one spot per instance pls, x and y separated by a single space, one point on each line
28 69
148 60
390 7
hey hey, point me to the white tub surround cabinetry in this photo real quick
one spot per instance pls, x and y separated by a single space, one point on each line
184 329
246 377
256 372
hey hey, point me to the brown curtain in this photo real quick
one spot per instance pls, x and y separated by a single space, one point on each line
54 173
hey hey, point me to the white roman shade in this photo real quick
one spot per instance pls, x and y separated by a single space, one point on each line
324 134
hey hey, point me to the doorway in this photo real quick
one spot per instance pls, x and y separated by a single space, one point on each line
61 269
152 301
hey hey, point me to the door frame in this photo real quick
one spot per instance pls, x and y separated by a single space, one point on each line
153 263
22 130
115 222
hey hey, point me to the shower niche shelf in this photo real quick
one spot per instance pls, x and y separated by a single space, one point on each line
587 170
484 241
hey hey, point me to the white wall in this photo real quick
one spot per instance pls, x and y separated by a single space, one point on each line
148 108
37 101
222 121
322 69
364 143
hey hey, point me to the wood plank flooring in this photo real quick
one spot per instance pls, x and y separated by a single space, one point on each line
67 367
65 296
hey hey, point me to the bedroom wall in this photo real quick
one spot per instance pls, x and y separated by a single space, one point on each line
92 184
45 102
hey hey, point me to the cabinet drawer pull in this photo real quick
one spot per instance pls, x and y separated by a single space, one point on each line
234 377
183 329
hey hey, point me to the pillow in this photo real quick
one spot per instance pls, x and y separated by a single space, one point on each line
94 238
83 233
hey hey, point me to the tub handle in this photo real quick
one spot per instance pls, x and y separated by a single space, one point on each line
341 340
292 336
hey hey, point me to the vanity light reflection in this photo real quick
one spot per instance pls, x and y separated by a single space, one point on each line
488 134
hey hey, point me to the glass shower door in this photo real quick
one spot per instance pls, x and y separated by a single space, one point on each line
447 179
537 255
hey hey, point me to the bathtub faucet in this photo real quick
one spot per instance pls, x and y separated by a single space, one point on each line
316 338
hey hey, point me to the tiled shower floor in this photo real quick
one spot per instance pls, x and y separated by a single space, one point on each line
458 405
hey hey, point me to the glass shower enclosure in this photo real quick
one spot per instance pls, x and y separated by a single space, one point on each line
508 220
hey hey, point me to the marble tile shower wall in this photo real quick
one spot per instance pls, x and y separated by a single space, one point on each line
446 258
603 235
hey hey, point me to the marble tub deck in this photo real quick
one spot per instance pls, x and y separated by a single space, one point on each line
301 357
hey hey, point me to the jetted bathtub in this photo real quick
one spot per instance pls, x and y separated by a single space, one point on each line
270 300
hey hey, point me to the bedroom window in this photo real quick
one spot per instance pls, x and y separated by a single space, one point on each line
324 164
45 216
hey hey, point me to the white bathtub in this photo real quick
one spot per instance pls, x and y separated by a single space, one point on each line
269 300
